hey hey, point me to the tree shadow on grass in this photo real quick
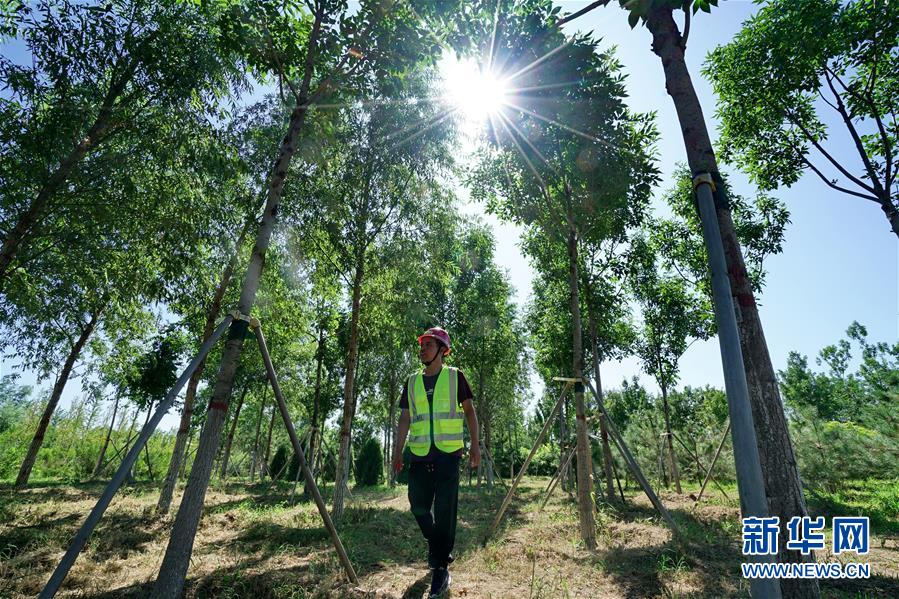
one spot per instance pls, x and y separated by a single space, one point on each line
877 585
120 535
707 548
375 537
47 532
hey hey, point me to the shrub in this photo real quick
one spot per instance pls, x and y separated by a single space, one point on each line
369 469
278 462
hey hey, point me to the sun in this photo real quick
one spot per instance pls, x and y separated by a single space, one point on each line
471 90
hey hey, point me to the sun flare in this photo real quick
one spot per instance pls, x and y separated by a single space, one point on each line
472 90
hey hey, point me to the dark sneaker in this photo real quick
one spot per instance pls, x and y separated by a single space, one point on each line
440 582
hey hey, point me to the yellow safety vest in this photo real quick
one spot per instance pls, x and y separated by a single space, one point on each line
443 423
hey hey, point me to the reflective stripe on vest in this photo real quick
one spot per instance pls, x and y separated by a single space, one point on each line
446 418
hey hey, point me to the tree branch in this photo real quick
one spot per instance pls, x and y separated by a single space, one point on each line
837 187
830 158
872 174
581 12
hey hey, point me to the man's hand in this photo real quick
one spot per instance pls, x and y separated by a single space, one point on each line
397 462
475 456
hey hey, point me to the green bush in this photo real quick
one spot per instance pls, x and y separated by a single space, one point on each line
278 462
832 453
369 468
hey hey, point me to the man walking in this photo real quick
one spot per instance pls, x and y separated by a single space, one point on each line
430 413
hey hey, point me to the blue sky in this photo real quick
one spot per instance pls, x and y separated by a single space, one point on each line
840 261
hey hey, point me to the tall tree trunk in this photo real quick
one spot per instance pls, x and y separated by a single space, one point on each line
346 425
489 450
147 445
212 315
256 438
480 408
584 457
268 439
115 409
224 473
563 446
56 394
778 462
316 402
190 438
390 425
675 472
173 571
603 430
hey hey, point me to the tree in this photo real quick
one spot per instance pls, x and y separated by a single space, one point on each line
671 315
774 96
98 76
778 463
574 181
313 55
483 322
378 179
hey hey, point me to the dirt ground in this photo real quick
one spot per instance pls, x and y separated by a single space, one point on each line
254 543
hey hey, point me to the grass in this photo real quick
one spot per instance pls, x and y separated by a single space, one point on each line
254 542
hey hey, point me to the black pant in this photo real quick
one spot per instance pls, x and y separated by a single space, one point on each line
436 484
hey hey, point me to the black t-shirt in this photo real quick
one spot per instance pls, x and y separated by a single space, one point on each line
463 392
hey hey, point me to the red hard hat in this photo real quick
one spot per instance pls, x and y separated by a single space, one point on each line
439 334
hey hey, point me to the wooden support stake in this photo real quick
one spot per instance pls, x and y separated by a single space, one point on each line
714 461
505 505
297 447
557 478
632 464
696 458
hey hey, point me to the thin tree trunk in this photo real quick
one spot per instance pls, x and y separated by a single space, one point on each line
268 442
224 473
147 445
170 582
487 451
316 401
346 426
181 470
55 395
603 431
115 409
584 458
256 438
782 486
480 407
675 472
391 438
563 445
